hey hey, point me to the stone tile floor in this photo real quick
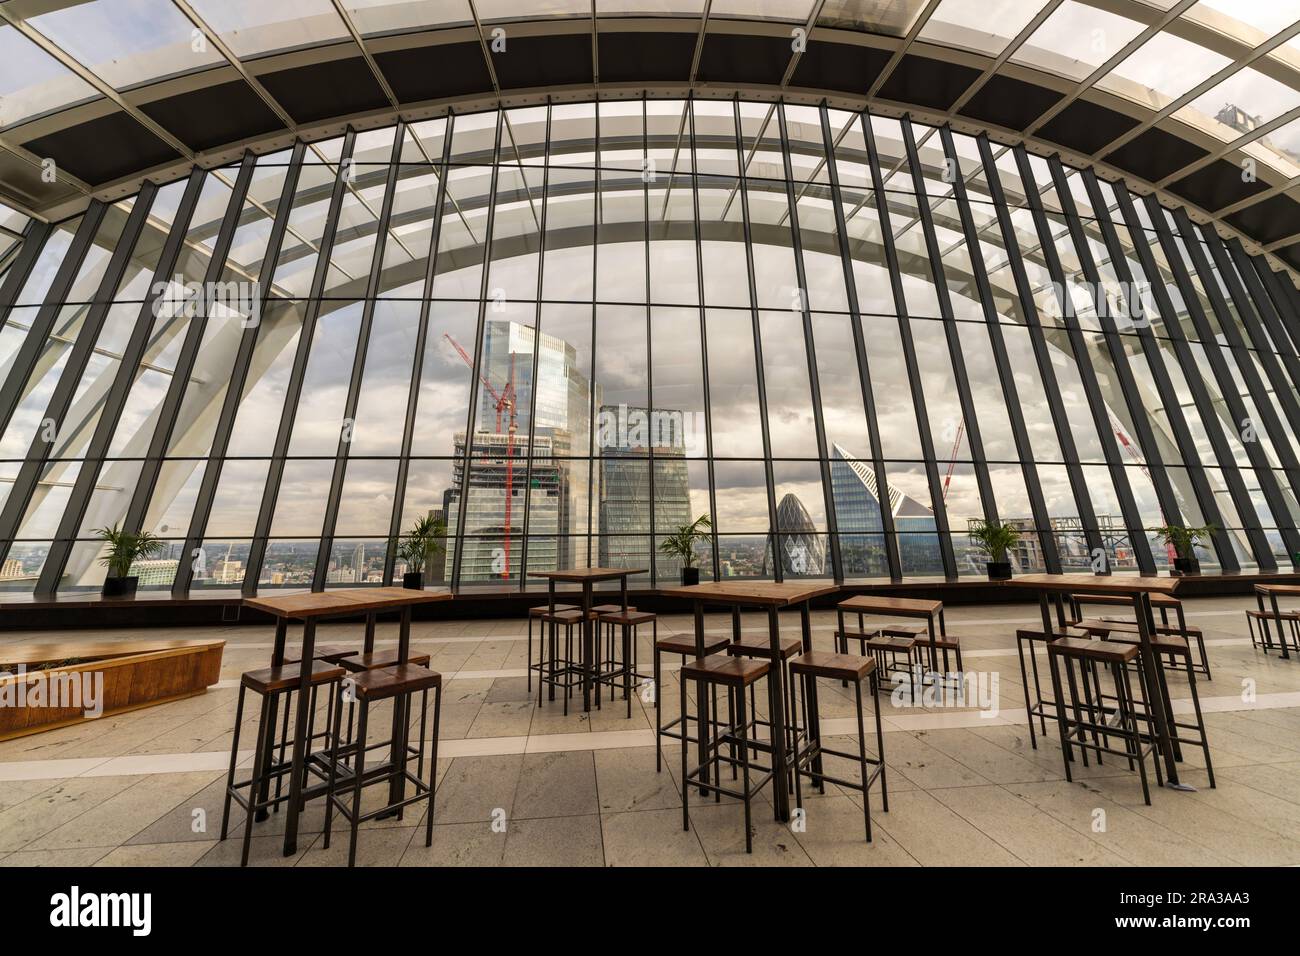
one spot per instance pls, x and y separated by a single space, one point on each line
524 785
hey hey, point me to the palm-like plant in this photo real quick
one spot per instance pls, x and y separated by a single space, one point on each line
1184 539
125 548
422 542
993 538
681 544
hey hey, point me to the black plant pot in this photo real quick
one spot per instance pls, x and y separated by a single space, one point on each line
120 587
1187 566
413 580
690 576
999 570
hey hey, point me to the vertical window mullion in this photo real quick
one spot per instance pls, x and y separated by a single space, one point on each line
417 359
773 533
1087 373
293 391
1051 390
479 337
961 379
239 374
814 382
938 509
28 355
1037 504
864 367
1232 395
342 454
170 407
115 399
1192 374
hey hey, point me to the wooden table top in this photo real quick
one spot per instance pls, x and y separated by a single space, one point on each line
1094 583
890 605
1157 599
1278 588
305 604
587 574
764 593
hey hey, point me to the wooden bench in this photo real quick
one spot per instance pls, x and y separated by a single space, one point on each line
36 692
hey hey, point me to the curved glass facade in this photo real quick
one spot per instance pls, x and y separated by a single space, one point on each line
570 329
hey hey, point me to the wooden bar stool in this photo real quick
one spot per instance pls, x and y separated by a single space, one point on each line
609 633
622 669
683 647
553 671
1079 719
886 650
722 744
1172 648
808 667
533 614
760 648
274 685
399 684
1036 705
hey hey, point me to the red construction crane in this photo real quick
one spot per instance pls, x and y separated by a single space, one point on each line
504 401
1128 446
952 458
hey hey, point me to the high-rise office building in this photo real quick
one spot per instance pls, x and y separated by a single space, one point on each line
856 495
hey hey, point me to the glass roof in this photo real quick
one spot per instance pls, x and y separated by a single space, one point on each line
395 16
1076 39
55 54
32 82
126 42
985 26
255 27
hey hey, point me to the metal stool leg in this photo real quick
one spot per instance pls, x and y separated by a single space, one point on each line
740 730
686 789
359 769
265 738
862 758
234 759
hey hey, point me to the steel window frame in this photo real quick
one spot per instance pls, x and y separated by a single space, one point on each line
342 455
902 317
155 457
961 379
293 390
1042 354
810 352
1192 374
238 375
1006 378
892 556
115 400
1182 434
1083 360
476 371
760 379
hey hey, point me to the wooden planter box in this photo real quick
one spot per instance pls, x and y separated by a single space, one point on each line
134 674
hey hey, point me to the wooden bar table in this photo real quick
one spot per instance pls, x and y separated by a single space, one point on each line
1273 592
310 607
930 611
1138 590
587 577
771 597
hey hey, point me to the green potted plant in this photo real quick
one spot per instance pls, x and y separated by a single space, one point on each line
124 549
418 547
681 544
1184 541
993 538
